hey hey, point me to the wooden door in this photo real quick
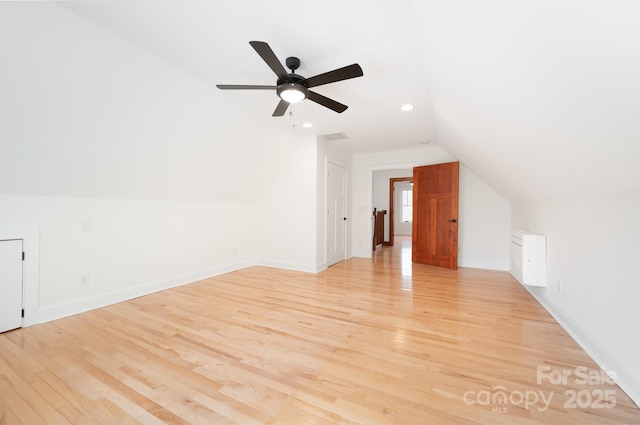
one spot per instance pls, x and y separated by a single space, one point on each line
435 215
10 285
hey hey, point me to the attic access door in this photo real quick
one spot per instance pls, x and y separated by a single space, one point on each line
435 215
10 284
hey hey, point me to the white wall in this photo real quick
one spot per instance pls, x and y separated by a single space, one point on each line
86 114
484 224
484 215
592 282
287 212
293 205
132 247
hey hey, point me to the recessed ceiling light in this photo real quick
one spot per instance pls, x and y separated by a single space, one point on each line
307 125
406 107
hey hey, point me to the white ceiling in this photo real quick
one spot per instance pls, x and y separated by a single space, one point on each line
540 98
210 40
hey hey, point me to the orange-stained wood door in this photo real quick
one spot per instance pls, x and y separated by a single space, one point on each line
435 215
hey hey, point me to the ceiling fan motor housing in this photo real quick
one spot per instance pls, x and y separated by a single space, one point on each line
292 63
292 78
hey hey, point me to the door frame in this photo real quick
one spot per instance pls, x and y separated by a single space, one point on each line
392 181
367 204
30 236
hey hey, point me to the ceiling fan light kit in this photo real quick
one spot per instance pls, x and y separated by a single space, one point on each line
293 88
292 92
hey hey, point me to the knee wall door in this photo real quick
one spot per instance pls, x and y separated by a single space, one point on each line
10 284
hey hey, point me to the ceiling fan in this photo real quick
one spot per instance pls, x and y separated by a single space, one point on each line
294 88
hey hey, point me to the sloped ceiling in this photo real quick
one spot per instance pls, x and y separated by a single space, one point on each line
539 98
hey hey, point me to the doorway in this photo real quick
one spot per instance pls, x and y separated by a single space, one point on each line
393 197
382 197
441 234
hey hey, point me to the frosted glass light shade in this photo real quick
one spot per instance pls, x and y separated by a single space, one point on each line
292 92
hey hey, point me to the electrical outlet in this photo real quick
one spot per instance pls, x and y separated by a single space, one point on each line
559 285
84 281
86 225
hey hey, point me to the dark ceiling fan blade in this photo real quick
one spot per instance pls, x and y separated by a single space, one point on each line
241 87
325 101
269 57
345 73
281 108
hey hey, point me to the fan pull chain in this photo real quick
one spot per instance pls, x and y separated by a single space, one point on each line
293 126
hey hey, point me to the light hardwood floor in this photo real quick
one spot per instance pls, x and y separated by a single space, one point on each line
379 341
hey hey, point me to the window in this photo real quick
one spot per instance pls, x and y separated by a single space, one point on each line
407 205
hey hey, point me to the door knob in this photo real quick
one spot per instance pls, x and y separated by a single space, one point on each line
453 220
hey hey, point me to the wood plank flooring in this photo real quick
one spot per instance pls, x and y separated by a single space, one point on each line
379 341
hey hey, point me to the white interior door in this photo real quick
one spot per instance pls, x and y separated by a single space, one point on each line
10 285
336 213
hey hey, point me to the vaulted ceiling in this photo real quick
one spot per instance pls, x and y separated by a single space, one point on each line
539 98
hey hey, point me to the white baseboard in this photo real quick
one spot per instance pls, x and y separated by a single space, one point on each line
486 265
300 267
606 360
320 267
58 311
363 254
